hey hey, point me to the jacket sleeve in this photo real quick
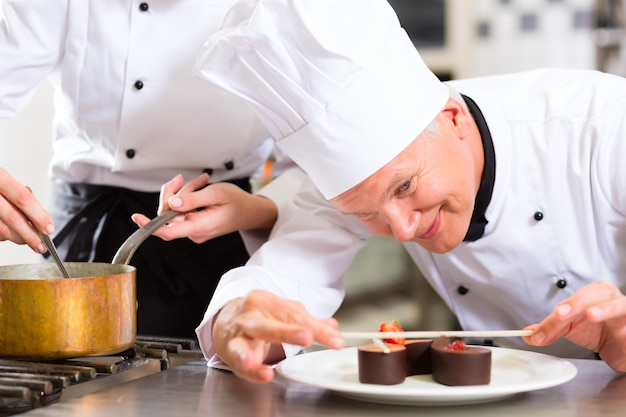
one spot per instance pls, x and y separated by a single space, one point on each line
310 248
608 158
32 35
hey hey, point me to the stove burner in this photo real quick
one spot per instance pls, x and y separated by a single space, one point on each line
25 385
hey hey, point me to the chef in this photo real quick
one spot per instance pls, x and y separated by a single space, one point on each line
507 191
130 115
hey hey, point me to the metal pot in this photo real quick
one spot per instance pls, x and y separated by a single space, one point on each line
45 316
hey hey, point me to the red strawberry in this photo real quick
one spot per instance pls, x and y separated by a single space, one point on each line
456 345
392 326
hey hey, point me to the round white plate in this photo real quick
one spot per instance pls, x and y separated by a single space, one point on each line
512 372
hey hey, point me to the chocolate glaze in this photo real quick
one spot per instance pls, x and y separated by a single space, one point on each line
471 366
377 367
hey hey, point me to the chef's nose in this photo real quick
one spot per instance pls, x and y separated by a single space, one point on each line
403 223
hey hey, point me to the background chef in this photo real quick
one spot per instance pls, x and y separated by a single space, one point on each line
129 115
512 203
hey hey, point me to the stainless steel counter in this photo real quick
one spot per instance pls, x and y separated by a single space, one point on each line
195 390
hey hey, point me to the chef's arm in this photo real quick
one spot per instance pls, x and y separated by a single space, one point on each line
281 191
288 290
32 43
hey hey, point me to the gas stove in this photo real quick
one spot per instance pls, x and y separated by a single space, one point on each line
25 385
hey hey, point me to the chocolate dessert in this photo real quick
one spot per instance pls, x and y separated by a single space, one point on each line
378 367
457 364
418 357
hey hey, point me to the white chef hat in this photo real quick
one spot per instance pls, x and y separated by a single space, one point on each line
338 83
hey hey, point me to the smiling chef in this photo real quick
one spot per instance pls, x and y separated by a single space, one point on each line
508 191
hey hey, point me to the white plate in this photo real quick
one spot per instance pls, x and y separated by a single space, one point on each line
512 372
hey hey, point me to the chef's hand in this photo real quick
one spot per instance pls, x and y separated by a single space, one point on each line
594 317
209 212
16 201
247 333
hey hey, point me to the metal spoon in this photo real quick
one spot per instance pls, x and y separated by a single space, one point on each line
52 249
49 245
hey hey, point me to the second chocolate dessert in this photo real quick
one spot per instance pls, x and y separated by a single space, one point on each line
418 357
457 364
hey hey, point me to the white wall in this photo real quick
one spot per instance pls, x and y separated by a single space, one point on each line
489 36
25 150
560 36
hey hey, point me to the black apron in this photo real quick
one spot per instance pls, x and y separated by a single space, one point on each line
175 279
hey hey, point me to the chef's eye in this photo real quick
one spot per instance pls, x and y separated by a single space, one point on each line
404 187
363 216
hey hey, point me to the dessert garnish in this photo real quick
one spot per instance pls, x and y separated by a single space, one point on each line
456 345
392 326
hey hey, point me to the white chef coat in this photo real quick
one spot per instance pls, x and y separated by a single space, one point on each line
128 111
560 140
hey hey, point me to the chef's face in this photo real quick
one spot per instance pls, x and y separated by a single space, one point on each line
426 194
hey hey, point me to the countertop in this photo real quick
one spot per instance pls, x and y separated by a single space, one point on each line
195 390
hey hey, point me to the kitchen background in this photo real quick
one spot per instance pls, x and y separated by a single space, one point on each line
458 39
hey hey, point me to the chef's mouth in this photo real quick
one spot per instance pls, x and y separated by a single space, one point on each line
432 229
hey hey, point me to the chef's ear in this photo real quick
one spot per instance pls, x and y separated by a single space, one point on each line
458 114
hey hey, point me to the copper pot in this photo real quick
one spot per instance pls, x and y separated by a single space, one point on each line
45 316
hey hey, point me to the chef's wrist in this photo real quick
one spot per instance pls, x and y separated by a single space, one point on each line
262 213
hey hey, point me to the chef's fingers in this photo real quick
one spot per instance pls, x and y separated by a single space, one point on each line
21 199
168 190
140 219
15 228
286 321
594 302
205 197
592 298
164 232
195 184
175 187
246 360
614 308
16 202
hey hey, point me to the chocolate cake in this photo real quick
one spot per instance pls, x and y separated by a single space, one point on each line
458 364
418 358
378 367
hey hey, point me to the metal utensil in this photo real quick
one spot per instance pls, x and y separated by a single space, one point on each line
51 248
130 245
53 251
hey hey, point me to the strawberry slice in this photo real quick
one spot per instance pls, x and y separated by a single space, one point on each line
392 326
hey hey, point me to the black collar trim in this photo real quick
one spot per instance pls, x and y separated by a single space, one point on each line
483 197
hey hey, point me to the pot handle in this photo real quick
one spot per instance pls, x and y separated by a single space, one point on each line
130 245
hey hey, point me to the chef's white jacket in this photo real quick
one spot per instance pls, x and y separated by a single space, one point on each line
560 143
128 110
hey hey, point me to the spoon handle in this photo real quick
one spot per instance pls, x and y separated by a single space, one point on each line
49 245
53 251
